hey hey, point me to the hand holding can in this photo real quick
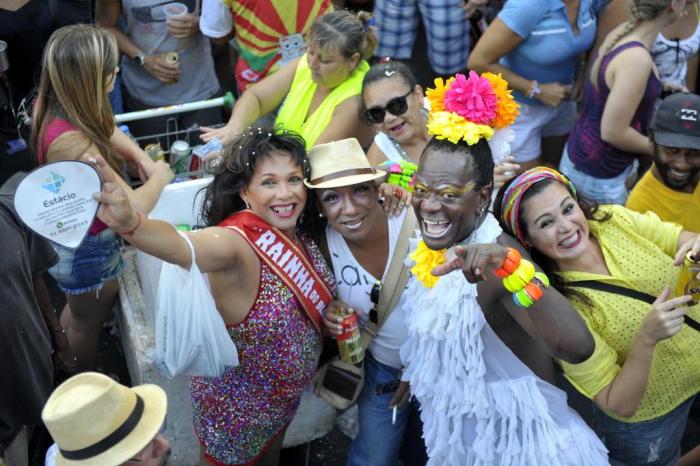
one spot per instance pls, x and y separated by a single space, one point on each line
349 344
688 281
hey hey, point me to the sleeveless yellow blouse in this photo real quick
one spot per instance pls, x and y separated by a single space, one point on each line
293 114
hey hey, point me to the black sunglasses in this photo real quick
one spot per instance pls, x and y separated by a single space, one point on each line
396 106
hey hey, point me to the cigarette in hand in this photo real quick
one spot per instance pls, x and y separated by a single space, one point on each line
393 416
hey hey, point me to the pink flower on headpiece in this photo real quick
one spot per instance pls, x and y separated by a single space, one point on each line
472 98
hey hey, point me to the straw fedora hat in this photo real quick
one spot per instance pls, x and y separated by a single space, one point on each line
96 421
340 163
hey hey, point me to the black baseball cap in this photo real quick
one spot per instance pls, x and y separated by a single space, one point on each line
676 122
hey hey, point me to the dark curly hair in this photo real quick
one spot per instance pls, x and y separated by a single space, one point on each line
222 197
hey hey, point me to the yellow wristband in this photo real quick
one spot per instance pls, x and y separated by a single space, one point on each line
521 277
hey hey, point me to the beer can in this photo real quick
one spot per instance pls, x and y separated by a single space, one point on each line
688 283
172 58
155 152
349 344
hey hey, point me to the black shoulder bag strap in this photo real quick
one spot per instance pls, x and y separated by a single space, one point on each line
630 293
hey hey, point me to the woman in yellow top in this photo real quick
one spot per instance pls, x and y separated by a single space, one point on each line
319 92
644 372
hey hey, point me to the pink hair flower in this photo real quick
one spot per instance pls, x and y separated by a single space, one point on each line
472 98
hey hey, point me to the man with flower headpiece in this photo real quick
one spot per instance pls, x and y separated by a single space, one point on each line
479 351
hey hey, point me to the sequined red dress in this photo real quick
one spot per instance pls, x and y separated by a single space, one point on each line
238 416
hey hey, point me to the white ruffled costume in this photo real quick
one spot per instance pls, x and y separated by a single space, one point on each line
480 405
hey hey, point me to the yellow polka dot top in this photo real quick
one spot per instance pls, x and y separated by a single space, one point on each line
638 250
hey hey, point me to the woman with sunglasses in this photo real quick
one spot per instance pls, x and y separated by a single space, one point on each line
319 92
392 102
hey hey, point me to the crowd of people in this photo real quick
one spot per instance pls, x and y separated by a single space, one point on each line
537 201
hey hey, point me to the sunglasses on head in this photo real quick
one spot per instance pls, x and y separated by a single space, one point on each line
396 106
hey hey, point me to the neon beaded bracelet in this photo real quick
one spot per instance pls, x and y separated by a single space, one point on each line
400 173
532 292
521 277
510 263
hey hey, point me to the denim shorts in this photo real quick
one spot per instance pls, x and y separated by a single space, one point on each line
86 268
602 190
540 121
654 442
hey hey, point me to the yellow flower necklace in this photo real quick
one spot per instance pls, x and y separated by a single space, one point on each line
426 260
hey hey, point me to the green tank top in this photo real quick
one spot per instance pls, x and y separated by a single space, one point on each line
294 115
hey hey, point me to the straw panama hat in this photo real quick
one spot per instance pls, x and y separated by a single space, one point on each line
339 163
96 421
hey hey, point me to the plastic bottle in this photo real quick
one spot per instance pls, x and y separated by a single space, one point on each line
125 130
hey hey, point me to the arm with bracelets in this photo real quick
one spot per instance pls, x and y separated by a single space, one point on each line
508 281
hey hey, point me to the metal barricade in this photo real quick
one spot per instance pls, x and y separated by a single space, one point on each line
180 164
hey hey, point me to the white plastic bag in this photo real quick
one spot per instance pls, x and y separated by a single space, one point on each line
191 336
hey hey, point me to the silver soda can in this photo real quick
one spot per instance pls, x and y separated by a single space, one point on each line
180 156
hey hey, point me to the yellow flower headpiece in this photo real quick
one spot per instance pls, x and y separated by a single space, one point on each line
470 108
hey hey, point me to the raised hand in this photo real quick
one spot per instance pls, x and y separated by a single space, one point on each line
504 171
395 199
473 260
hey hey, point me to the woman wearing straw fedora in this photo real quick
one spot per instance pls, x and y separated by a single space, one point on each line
96 421
360 242
270 284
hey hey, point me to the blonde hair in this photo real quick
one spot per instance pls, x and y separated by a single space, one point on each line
348 32
640 10
77 66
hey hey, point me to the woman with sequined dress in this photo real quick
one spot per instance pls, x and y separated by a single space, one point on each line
258 257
